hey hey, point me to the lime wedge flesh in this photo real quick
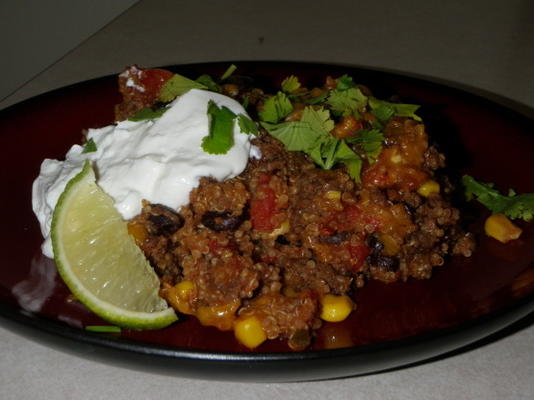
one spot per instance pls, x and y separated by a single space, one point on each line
100 262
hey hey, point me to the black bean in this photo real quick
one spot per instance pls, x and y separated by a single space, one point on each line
164 220
387 262
281 239
375 245
336 238
222 221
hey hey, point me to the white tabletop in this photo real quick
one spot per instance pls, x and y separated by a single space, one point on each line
488 47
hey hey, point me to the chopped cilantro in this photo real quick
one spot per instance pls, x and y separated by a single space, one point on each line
317 99
147 113
247 125
400 110
275 108
347 102
344 82
370 141
89 147
229 71
210 84
513 205
295 135
221 130
290 84
103 328
176 86
383 112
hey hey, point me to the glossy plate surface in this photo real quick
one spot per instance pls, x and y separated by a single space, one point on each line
394 325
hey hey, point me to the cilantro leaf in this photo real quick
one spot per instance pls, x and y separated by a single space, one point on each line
295 135
290 84
317 99
347 102
513 206
313 127
147 113
229 71
275 108
221 130
318 119
247 125
89 147
370 141
210 84
383 112
400 110
344 82
103 328
176 86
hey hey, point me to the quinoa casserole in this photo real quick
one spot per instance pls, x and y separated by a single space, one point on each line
284 245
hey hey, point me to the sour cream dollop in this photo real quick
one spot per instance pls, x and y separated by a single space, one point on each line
156 160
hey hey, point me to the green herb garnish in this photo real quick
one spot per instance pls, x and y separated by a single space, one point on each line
221 129
103 328
89 147
147 113
210 84
176 86
513 205
290 84
229 71
347 102
344 82
384 110
275 108
370 142
247 125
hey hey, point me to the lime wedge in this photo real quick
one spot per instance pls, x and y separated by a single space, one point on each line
100 262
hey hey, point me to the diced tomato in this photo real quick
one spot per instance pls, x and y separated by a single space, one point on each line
359 253
142 86
262 209
153 80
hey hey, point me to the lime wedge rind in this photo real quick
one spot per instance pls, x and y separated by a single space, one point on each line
135 308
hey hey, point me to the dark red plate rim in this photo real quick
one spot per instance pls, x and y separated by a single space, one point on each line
504 291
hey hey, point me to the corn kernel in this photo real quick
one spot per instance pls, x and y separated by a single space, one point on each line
178 296
335 308
428 188
499 227
184 289
249 332
221 317
333 195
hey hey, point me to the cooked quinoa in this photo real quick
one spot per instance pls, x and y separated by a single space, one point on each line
271 243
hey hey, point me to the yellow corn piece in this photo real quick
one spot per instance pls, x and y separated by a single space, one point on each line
335 308
333 195
178 296
499 227
249 332
428 188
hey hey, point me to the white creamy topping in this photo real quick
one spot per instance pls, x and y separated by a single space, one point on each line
156 160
